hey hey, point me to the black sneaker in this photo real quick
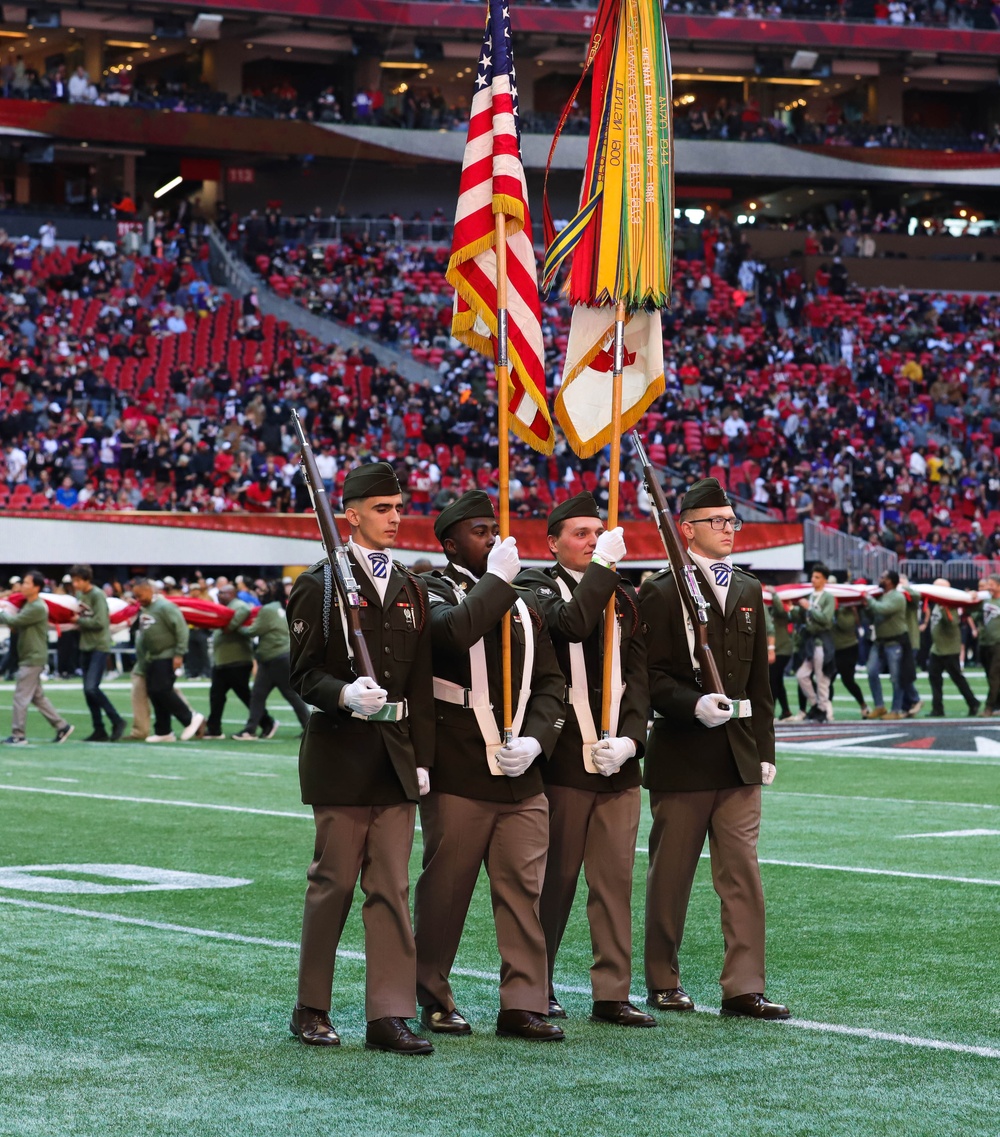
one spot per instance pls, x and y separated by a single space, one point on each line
97 736
117 730
12 741
64 732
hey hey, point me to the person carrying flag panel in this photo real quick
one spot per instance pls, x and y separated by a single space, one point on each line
362 766
592 785
706 758
817 667
94 623
486 804
946 646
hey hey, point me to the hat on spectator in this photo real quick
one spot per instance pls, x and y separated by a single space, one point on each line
582 505
67 579
375 480
706 494
474 503
169 582
14 580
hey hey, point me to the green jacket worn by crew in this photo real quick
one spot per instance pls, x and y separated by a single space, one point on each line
94 621
270 626
989 636
31 622
946 631
845 627
889 612
162 633
229 644
783 645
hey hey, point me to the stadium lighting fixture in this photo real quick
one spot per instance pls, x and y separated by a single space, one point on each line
136 44
168 186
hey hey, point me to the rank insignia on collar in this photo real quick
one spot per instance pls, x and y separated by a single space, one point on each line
463 585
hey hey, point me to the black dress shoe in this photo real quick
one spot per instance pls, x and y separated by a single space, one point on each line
974 710
936 715
754 1006
620 1013
393 1034
670 999
313 1027
527 1024
117 730
98 736
555 1009
435 1018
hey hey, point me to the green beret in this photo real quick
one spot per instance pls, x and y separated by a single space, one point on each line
582 505
374 480
706 494
473 503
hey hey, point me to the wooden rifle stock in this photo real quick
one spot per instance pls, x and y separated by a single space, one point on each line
336 551
680 562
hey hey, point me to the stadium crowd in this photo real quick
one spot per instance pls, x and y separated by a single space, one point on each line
126 382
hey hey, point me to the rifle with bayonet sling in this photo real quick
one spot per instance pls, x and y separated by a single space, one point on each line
336 551
680 562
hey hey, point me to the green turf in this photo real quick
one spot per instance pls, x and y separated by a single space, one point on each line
130 1028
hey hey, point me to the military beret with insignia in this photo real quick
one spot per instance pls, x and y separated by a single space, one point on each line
581 505
705 494
473 503
375 480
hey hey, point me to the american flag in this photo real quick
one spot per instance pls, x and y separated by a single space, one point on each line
493 182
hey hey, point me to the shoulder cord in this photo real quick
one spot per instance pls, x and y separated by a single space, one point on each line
626 603
327 599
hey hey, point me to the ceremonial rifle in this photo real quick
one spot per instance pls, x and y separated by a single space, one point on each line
680 562
336 551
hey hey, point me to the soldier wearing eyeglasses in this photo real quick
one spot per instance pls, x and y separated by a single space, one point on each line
707 756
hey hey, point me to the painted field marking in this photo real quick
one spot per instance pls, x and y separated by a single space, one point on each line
987 745
891 800
952 833
160 801
640 851
941 757
251 774
71 781
167 777
493 977
127 878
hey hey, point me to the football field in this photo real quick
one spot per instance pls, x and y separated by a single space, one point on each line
151 897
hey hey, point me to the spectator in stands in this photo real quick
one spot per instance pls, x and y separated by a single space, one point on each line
79 87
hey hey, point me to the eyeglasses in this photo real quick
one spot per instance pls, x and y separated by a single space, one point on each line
719 523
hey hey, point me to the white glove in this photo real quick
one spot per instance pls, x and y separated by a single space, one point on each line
713 710
503 560
423 780
515 758
610 547
364 696
767 772
611 754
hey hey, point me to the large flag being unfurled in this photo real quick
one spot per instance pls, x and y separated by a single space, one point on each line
493 182
618 246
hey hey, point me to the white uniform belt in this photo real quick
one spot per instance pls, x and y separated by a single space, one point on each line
449 692
742 709
391 712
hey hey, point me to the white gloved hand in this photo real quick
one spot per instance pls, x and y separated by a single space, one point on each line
611 754
364 696
610 547
713 710
503 560
516 757
423 780
767 772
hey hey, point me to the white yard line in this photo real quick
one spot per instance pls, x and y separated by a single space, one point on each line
493 977
308 817
878 800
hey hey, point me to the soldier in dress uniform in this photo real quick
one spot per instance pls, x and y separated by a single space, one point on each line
486 805
706 758
362 765
592 785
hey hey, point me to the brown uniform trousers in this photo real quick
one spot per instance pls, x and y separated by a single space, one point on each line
472 818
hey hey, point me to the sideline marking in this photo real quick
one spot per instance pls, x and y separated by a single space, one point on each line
128 878
891 800
160 801
642 850
951 833
493 977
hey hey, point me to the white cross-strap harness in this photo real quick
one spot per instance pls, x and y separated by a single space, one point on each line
578 695
477 697
390 712
741 707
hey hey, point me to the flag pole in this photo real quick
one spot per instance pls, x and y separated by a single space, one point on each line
613 475
503 425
